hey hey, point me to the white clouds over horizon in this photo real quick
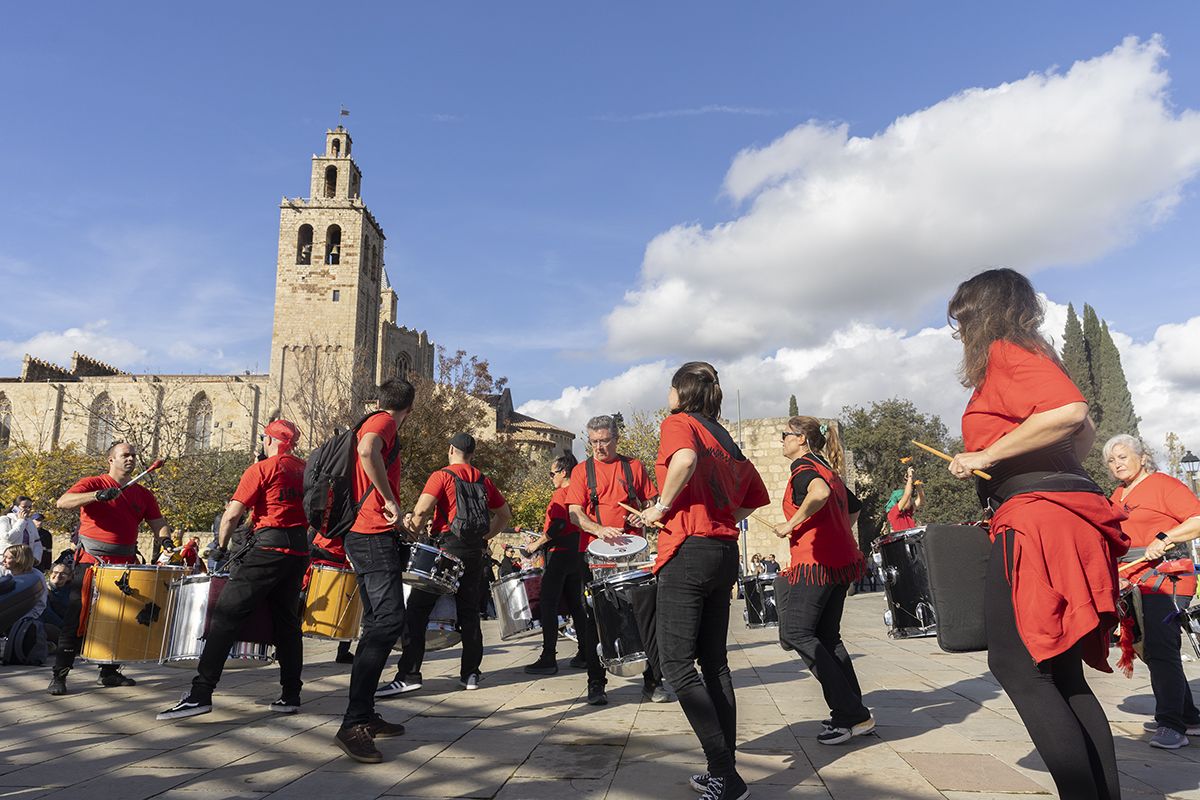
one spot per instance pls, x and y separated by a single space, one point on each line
1052 169
92 339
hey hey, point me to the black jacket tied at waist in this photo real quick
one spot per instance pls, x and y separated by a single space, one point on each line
1051 469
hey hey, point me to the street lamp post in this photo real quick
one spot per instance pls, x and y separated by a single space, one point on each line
1191 465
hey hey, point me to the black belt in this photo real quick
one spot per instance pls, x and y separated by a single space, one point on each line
1051 469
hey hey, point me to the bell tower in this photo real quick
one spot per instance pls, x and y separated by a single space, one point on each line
327 296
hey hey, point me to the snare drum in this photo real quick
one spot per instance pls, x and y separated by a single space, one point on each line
619 640
126 620
518 604
759 592
433 570
190 613
606 560
902 562
332 606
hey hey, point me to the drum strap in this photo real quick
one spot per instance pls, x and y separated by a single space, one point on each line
631 497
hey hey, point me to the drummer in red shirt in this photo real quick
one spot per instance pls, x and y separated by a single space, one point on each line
109 515
904 504
270 572
1162 513
1051 595
561 576
707 487
467 512
598 488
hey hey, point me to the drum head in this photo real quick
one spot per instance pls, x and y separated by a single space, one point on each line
622 549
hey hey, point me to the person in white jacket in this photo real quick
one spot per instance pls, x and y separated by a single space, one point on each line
17 527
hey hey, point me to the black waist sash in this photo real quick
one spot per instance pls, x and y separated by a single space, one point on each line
1051 469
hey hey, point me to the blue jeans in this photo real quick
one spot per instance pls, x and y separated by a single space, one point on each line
693 623
376 560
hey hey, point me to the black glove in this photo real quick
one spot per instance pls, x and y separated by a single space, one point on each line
111 493
219 555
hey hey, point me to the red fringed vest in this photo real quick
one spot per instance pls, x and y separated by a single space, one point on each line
823 547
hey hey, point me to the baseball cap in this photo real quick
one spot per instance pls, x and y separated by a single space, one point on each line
464 442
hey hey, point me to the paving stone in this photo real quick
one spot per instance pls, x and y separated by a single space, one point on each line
456 777
128 783
570 761
519 788
969 772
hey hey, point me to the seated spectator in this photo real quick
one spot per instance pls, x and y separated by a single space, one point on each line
16 527
17 561
58 585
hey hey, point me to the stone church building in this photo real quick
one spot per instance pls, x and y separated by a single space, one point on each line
335 336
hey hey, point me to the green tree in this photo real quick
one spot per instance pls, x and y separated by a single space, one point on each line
1114 396
1091 349
640 438
1075 356
876 438
793 407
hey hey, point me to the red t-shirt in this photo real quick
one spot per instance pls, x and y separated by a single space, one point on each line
1158 503
116 521
558 510
1065 544
370 517
1017 385
901 520
273 490
719 486
440 486
611 488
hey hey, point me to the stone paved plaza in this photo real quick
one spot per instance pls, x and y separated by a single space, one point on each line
945 730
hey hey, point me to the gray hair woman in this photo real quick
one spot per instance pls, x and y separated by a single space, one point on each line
1161 512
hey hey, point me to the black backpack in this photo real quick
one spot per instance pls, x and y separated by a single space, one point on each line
472 519
329 482
26 643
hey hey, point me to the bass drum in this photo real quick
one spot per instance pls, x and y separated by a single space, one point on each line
902 563
332 605
126 622
442 632
190 613
761 611
619 640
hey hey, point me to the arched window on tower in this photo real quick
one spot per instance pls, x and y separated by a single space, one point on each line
331 181
102 424
199 424
333 245
337 147
304 239
403 366
353 185
5 421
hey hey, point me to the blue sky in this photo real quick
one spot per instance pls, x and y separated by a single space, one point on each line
527 152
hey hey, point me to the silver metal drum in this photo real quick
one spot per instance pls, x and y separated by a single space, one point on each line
187 622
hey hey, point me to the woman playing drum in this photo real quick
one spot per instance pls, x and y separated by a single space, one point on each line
1051 591
811 593
1162 512
707 487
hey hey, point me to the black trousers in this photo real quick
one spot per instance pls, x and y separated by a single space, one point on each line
562 581
263 575
693 624
68 638
421 603
1173 703
810 622
376 558
1063 717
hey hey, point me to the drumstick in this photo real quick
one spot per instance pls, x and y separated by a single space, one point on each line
1124 567
157 464
633 510
977 472
762 521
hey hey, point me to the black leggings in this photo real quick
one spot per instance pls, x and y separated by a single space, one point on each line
1063 717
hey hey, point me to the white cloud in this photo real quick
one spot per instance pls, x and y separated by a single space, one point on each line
1054 168
861 363
57 346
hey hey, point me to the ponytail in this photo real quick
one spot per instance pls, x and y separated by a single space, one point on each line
822 439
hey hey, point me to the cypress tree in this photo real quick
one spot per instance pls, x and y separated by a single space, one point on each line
1115 398
793 407
1091 348
1074 356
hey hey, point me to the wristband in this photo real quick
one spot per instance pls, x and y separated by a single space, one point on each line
661 507
1162 537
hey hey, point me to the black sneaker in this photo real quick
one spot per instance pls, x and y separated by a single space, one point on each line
286 705
382 729
543 666
58 683
357 742
112 678
398 686
188 706
699 782
731 788
834 735
344 656
596 695
577 662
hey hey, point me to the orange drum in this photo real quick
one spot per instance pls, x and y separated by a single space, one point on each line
127 619
332 607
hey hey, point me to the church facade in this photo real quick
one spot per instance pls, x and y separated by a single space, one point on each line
335 337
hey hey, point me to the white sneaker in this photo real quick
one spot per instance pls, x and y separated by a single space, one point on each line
471 681
396 687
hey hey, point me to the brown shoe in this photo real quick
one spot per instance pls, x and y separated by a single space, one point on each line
356 742
382 729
